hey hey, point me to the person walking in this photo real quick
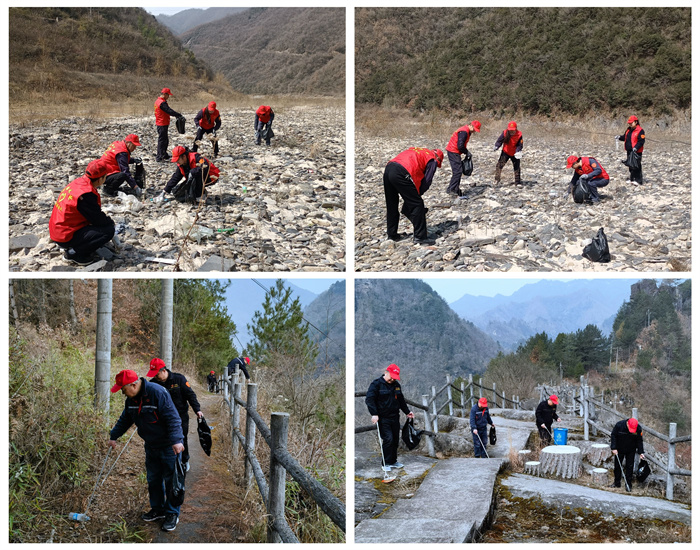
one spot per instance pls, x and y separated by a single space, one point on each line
590 171
409 175
455 149
545 415
626 440
634 138
207 121
182 395
511 144
212 382
384 402
163 112
150 407
479 419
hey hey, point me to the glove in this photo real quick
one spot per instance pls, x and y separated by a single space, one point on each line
496 147
137 191
160 197
583 177
137 160
634 149
618 137
518 155
214 132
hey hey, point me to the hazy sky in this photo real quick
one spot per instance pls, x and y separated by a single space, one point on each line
454 289
171 11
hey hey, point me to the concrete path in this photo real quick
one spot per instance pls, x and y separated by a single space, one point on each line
510 434
453 504
560 494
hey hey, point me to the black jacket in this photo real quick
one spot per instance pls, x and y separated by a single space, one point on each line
384 399
211 378
241 365
154 414
625 441
544 414
180 391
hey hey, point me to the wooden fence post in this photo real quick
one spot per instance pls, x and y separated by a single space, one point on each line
495 395
236 416
471 391
251 405
462 397
584 408
481 387
279 425
671 460
435 411
426 422
635 413
449 396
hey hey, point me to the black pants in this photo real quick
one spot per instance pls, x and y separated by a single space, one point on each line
628 458
593 186
480 442
389 430
113 182
635 175
397 181
545 435
163 142
185 419
89 238
200 134
502 160
456 165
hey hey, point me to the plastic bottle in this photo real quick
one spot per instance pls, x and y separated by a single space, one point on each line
75 516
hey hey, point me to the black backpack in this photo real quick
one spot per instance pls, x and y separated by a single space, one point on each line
409 434
598 250
581 192
467 165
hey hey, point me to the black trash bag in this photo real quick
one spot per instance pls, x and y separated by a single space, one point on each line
180 124
643 471
140 174
409 434
598 250
581 193
467 165
204 432
187 190
267 132
175 490
633 161
492 436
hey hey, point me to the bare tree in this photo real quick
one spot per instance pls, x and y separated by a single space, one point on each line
13 304
103 344
71 305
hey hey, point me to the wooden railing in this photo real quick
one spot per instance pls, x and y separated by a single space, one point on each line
460 399
281 461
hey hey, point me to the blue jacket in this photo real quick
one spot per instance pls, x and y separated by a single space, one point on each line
155 416
479 418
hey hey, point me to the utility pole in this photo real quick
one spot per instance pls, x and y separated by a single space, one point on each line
166 322
103 344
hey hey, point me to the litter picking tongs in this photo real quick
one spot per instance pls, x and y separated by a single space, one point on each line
118 457
482 445
619 462
84 517
551 435
388 478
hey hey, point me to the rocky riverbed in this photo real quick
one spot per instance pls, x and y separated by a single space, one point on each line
278 208
535 226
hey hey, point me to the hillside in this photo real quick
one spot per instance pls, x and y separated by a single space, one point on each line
188 19
543 61
547 306
59 55
404 321
276 50
327 314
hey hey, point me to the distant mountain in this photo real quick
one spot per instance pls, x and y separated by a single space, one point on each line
276 50
327 315
404 321
188 19
549 306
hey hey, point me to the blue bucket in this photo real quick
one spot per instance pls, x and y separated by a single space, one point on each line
561 435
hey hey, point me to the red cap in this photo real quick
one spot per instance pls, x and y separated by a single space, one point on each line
156 366
96 169
166 91
632 425
394 371
632 119
439 156
570 161
133 138
212 372
512 125
477 125
247 360
177 153
123 378
554 399
212 106
483 402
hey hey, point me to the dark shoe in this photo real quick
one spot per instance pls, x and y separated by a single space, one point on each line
615 486
398 237
171 521
429 240
457 193
152 516
73 257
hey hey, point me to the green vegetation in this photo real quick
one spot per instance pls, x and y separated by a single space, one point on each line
537 61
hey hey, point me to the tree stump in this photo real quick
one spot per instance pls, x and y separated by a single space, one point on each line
598 453
600 476
523 456
561 460
532 467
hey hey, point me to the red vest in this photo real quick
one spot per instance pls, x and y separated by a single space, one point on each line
635 137
264 113
110 156
414 160
65 218
162 118
212 117
452 145
588 164
212 173
509 144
